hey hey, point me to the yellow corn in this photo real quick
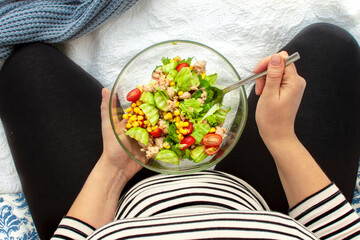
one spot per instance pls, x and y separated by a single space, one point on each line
140 123
177 112
135 124
172 60
130 121
146 122
177 131
177 58
133 118
177 119
140 118
168 116
180 137
166 145
177 124
133 105
212 130
181 124
191 67
129 110
149 129
129 114
128 125
138 103
125 116
154 127
141 113
180 93
136 110
203 75
186 124
172 83
176 104
183 131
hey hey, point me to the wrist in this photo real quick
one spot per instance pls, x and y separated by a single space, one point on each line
115 175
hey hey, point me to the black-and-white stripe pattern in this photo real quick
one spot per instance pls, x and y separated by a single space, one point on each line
215 205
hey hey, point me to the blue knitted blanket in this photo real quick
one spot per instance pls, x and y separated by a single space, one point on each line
52 21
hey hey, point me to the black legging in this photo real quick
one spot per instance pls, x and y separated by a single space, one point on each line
50 109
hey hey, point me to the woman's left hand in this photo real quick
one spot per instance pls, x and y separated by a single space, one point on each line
113 154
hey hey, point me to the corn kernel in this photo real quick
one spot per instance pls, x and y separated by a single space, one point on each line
177 124
141 113
146 122
167 116
212 130
154 127
172 60
149 129
125 116
177 131
203 75
140 123
181 124
149 125
186 124
133 105
172 83
180 93
166 145
130 121
177 58
176 104
129 115
183 131
138 103
191 67
140 118
129 110
177 112
180 137
128 125
135 124
139 88
177 119
136 110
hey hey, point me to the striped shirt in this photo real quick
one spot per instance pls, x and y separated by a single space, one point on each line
216 205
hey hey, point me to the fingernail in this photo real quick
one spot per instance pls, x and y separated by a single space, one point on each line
275 60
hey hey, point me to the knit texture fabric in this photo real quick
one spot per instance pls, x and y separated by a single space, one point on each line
52 21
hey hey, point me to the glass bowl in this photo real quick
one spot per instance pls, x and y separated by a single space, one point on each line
138 71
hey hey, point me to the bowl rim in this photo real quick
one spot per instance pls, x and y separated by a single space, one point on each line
196 169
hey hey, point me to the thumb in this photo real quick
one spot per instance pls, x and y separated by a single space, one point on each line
274 75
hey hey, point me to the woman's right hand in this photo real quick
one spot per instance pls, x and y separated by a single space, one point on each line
280 91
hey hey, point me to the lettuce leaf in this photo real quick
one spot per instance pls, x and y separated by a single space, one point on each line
161 99
165 60
211 79
200 130
190 108
183 79
187 61
172 74
198 154
170 66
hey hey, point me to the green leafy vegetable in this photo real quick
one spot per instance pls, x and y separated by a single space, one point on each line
167 156
211 79
183 79
147 97
218 117
198 154
170 66
151 112
139 134
200 130
172 74
172 137
165 60
194 79
187 61
191 108
161 99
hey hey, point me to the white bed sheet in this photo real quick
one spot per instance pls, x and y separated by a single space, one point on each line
243 31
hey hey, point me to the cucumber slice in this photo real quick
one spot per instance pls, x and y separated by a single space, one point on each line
139 134
167 156
147 97
151 112
198 154
161 99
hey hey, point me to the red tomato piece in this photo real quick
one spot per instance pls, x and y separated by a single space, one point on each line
180 66
156 133
188 141
133 95
189 128
211 150
212 140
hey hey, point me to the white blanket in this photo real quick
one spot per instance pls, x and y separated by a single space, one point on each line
243 31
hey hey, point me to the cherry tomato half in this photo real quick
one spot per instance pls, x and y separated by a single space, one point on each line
212 140
189 128
180 66
156 133
133 95
211 150
188 141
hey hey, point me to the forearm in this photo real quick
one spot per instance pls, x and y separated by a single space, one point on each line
97 202
299 173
